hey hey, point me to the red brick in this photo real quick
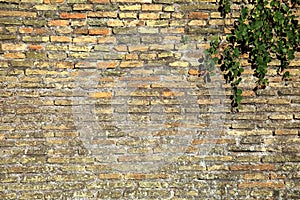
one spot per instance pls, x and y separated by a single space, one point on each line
72 15
193 72
40 31
26 30
16 55
99 31
58 23
35 47
198 15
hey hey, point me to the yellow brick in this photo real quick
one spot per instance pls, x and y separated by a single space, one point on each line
179 64
83 7
169 8
128 15
13 47
6 13
85 39
107 64
101 95
215 15
131 64
60 39
131 1
16 55
103 14
137 48
158 23
130 7
151 7
149 16
256 176
107 40
110 176
197 23
45 7
115 22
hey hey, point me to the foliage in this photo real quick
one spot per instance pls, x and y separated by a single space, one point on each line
266 30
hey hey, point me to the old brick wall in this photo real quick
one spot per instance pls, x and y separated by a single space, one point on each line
100 99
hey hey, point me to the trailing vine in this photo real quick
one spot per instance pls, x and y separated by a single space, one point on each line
266 30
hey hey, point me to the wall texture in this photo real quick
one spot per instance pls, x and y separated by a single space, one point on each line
101 99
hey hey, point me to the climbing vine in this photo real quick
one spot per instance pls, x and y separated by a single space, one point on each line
266 30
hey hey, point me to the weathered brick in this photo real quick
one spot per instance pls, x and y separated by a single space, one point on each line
130 7
60 39
13 47
149 16
83 7
197 23
85 39
99 31
198 15
260 167
128 15
35 38
110 176
100 1
73 15
152 7
131 1
261 185
158 23
125 64
76 1
125 30
115 23
58 23
107 64
6 13
107 40
103 14
14 55
45 7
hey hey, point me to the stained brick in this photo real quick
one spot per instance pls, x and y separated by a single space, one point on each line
99 31
5 13
72 15
58 23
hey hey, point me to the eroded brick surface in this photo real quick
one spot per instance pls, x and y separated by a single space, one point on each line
102 99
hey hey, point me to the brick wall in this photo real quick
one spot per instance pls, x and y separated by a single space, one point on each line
101 99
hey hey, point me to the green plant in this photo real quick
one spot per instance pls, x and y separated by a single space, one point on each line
185 39
266 30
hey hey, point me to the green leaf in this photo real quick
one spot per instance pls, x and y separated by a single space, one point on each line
238 99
